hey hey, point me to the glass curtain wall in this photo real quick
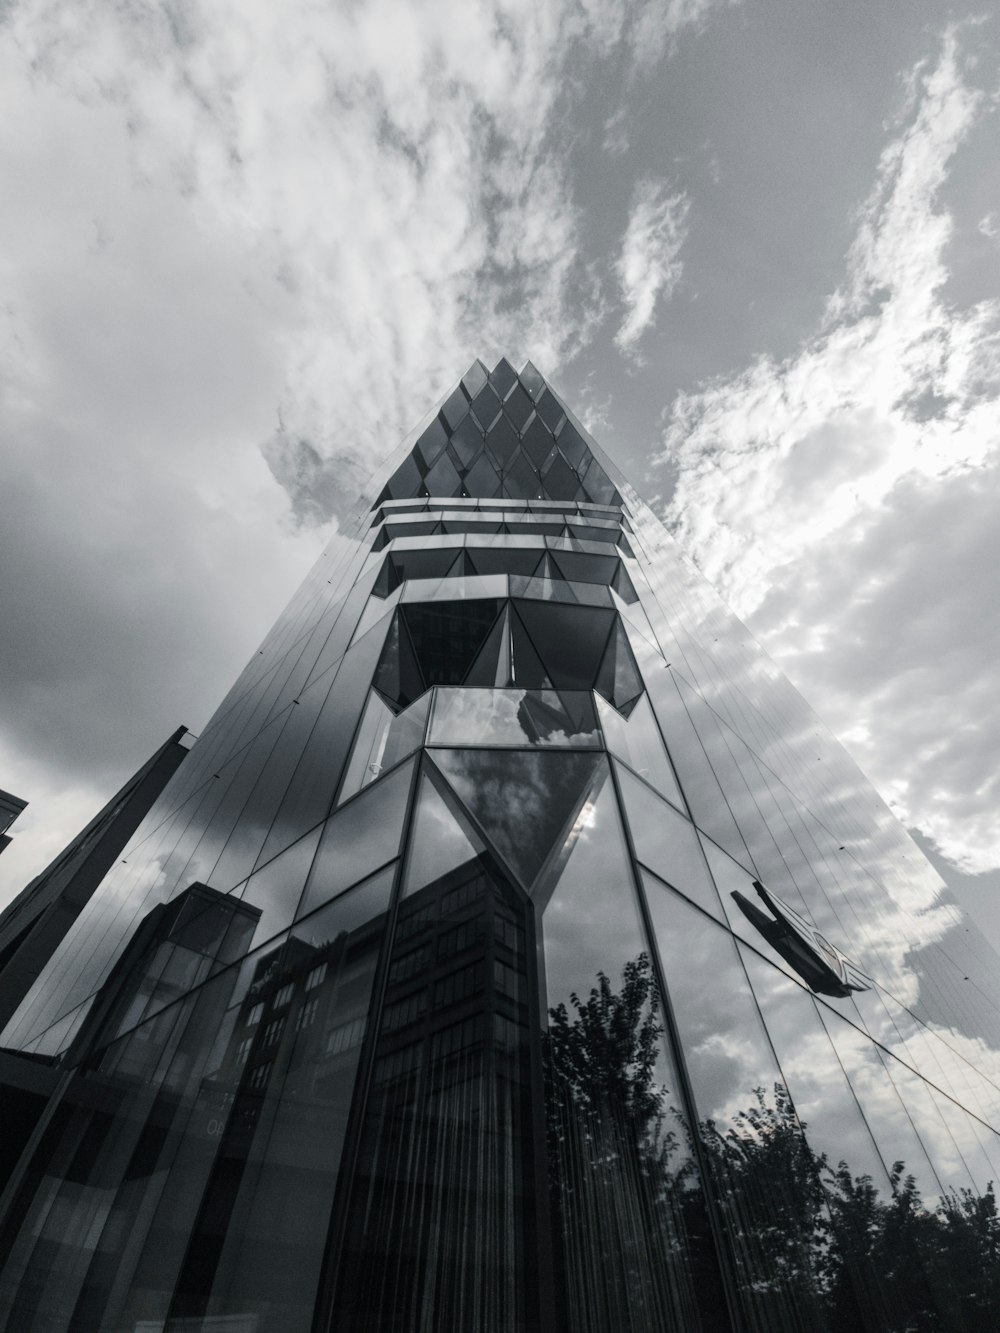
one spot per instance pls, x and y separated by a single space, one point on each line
515 951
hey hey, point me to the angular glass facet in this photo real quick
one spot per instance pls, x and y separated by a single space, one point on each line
524 801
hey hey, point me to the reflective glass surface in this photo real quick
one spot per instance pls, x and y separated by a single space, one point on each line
514 717
514 950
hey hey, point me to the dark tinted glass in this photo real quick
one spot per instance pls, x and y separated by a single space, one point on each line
569 640
443 1214
631 1236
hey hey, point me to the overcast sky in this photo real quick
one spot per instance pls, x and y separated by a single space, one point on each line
243 246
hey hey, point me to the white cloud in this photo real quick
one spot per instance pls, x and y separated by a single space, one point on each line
648 268
842 499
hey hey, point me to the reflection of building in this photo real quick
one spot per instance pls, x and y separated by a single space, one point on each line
35 923
436 989
10 808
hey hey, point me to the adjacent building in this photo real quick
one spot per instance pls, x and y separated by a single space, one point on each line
515 950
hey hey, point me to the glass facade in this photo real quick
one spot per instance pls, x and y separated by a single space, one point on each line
514 951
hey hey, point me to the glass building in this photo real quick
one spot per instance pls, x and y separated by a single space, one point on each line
514 950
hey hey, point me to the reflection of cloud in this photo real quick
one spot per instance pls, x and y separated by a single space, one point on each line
845 497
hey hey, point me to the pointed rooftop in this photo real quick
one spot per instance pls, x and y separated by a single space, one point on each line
500 434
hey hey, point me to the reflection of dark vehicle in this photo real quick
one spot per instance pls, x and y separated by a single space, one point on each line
825 969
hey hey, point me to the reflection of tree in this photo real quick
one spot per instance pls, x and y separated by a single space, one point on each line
627 1211
813 1246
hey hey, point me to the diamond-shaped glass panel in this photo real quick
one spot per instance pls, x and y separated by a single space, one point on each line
474 378
532 380
486 405
430 444
502 441
405 481
467 441
560 481
503 377
443 478
518 406
537 441
482 480
549 410
521 481
573 445
455 408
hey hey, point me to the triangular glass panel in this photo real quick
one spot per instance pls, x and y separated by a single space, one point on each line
537 441
492 667
441 839
569 640
636 741
365 762
588 879
623 545
443 478
524 801
521 481
447 636
624 586
397 675
532 380
467 442
373 613
549 410
482 480
560 481
474 378
431 443
529 674
455 408
501 441
618 679
546 569
462 567
503 377
486 406
518 406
